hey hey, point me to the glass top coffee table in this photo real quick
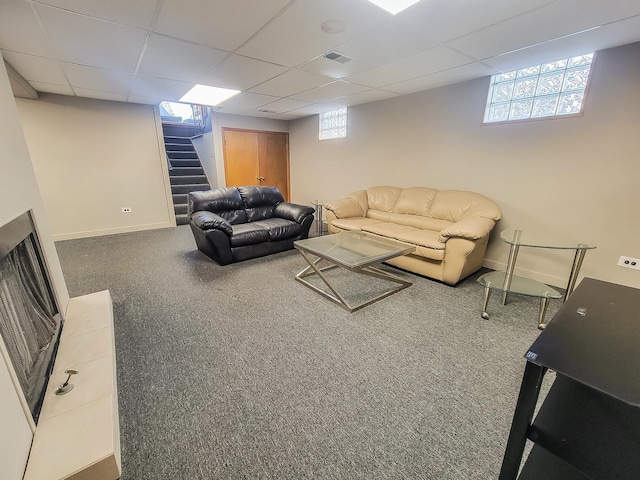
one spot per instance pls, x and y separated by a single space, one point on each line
357 252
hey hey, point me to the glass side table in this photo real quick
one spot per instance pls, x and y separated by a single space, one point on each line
319 220
509 282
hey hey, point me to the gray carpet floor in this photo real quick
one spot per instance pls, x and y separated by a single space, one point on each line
240 372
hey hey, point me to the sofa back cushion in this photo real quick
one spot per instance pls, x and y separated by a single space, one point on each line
454 205
383 198
260 202
225 202
415 200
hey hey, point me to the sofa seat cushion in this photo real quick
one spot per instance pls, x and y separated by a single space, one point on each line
354 223
427 242
278 228
418 221
248 234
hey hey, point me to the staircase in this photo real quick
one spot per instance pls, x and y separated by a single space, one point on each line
185 170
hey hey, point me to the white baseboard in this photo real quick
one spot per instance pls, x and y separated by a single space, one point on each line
111 231
541 277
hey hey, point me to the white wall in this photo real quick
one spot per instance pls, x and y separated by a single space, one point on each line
94 157
575 179
19 193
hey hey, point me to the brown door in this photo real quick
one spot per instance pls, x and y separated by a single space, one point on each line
256 158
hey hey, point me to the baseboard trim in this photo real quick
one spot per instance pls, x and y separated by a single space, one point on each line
111 231
541 277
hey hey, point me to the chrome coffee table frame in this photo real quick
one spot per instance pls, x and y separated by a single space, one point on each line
348 250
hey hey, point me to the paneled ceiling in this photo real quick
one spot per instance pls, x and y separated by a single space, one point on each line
146 51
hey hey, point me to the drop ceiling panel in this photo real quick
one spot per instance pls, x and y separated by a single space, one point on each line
295 36
445 20
36 69
101 95
447 77
284 105
138 13
556 20
241 73
383 43
143 100
167 57
221 24
44 87
92 78
245 101
611 35
330 91
372 95
159 88
424 63
285 116
291 82
84 40
19 30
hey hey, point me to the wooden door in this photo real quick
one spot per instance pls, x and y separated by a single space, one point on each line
254 157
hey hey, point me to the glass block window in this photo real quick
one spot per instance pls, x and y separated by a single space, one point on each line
333 124
549 90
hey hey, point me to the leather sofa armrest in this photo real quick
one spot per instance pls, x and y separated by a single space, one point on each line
470 228
345 208
293 211
209 221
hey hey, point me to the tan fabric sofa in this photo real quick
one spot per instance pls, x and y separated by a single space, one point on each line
450 228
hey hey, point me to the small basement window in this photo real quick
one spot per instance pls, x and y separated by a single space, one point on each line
551 89
333 124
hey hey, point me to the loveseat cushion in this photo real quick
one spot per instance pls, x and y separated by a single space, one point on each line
454 205
279 228
248 234
259 201
225 202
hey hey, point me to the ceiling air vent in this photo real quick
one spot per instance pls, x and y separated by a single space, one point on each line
267 111
336 57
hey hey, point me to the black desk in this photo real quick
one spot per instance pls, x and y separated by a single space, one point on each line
588 427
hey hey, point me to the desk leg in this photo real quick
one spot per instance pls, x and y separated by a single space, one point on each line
527 400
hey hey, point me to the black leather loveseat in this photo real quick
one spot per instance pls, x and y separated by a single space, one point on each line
237 223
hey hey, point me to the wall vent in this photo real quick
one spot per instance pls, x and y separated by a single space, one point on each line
337 57
264 110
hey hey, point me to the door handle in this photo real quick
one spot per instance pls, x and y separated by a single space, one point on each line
260 178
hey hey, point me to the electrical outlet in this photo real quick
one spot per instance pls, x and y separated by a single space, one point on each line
126 209
629 262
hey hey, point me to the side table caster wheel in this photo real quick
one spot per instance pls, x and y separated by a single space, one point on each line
485 315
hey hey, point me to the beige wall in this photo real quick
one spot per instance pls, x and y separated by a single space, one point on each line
94 157
19 193
575 179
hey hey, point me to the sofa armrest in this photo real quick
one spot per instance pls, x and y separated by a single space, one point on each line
209 221
470 228
293 211
345 208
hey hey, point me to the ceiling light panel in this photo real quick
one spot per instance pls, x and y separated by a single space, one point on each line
206 95
394 6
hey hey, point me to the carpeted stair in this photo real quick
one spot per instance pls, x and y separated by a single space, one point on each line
185 170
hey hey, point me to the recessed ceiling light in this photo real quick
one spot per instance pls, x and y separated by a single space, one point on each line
394 6
205 95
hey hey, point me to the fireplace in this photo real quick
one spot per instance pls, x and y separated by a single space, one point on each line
30 321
